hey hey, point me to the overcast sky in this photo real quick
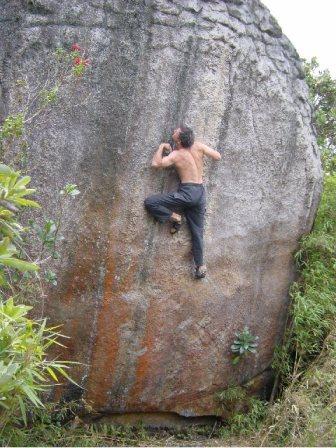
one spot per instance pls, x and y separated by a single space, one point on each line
310 26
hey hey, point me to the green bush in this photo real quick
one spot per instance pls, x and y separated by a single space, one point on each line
24 367
313 308
304 414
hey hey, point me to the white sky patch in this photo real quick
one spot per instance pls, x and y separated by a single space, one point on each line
310 26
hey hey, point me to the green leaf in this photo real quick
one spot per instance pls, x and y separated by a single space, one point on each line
4 244
31 395
23 410
19 264
26 202
63 372
3 280
39 376
52 373
16 193
4 405
4 213
5 170
23 181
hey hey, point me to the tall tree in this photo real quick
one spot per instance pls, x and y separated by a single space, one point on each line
322 90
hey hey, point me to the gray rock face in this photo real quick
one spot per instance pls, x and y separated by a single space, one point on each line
152 338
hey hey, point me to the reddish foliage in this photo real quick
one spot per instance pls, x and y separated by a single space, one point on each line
75 47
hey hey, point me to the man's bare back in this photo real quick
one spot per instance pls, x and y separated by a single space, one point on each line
187 161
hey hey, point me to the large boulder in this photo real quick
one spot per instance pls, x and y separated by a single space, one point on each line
152 339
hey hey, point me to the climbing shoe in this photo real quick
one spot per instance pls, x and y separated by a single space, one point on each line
200 272
175 227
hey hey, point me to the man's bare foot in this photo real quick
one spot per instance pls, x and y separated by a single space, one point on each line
200 271
175 217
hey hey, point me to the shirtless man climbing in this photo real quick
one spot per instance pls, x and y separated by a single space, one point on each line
187 157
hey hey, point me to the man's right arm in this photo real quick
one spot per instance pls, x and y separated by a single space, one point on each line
159 161
209 152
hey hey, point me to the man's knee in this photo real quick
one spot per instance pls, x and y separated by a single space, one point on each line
149 202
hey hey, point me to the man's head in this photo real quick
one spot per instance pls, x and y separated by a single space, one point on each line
184 136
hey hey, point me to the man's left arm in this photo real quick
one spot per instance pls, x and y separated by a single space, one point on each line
159 161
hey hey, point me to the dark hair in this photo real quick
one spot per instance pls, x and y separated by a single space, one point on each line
186 136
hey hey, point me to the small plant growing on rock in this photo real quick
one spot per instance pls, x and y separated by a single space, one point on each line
244 343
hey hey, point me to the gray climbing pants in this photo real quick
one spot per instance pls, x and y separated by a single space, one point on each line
189 199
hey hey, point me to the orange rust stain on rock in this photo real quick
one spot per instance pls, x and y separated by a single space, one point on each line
79 278
83 274
145 362
81 281
188 398
78 281
114 312
106 344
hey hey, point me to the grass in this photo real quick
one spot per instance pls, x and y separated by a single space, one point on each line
110 435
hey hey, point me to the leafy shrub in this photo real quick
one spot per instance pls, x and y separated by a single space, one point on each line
304 414
313 308
24 367
13 190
